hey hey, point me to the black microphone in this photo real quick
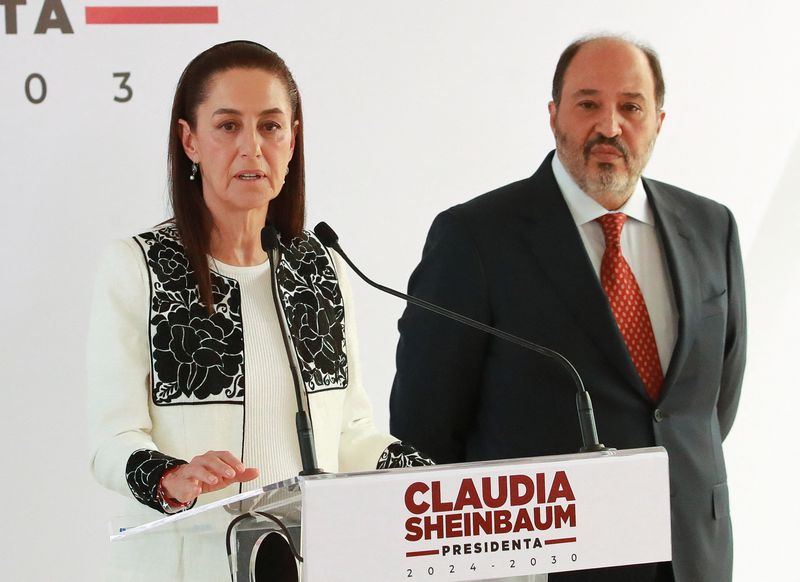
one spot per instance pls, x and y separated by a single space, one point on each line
305 433
329 238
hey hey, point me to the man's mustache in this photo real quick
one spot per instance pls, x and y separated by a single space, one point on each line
608 141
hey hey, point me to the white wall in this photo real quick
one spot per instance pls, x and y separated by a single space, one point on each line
410 107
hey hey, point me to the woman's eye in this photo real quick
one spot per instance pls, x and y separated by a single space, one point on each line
228 126
270 126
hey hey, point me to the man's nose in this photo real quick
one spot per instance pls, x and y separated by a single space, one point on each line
608 125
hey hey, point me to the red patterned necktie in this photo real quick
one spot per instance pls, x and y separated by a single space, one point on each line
628 306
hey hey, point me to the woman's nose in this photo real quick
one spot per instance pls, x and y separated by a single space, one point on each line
250 143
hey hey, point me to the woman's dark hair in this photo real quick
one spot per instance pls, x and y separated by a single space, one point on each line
286 211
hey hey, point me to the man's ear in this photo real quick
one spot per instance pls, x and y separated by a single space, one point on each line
553 109
660 120
188 141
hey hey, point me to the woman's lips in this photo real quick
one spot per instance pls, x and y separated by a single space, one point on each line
250 176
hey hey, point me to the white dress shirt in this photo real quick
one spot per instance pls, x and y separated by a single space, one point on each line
641 247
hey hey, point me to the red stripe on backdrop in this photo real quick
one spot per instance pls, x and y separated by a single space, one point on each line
560 541
422 553
152 15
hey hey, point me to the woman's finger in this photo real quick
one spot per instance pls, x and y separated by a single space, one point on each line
231 459
247 474
214 464
198 469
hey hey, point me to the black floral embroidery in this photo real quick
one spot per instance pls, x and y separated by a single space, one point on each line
314 310
400 455
200 358
196 357
169 261
143 473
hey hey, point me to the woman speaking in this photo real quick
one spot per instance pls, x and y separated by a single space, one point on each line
191 396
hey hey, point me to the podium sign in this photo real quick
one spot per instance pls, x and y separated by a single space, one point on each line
479 521
472 521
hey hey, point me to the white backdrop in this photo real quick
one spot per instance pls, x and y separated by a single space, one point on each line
410 107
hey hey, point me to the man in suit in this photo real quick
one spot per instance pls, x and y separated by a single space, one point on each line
638 283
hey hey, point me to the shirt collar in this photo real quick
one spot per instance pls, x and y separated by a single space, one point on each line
585 209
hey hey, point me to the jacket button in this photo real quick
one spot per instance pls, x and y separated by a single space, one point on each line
658 415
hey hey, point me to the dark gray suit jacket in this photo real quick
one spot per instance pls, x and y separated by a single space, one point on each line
513 259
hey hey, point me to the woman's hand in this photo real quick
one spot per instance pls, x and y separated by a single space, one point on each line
205 473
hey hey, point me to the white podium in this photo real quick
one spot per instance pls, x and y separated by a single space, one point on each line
472 521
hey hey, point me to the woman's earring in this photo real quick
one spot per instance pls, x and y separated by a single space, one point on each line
193 175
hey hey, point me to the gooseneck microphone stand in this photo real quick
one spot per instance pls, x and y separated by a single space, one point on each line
586 420
305 432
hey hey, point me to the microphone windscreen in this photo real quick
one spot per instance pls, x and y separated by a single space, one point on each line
269 238
326 234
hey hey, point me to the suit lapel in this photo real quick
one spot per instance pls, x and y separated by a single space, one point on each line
677 242
553 238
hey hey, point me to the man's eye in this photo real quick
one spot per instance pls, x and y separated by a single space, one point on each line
587 105
632 107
